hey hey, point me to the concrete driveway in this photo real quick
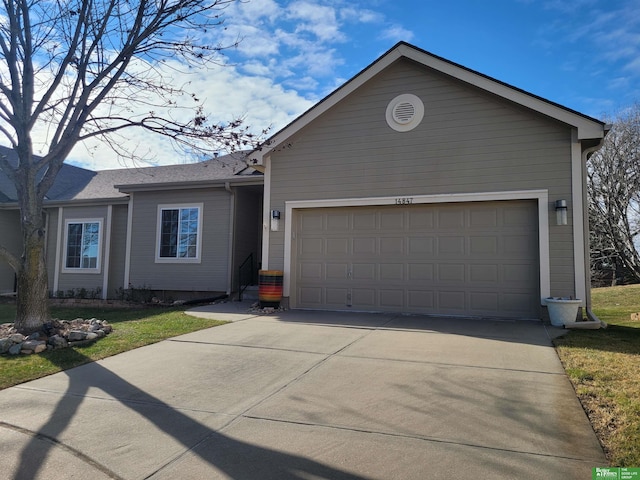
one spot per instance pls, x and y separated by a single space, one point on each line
309 395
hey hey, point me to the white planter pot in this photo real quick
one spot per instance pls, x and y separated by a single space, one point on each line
562 311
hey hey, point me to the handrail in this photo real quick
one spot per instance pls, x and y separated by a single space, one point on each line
245 275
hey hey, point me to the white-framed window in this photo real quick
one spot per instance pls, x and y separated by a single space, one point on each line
178 234
82 247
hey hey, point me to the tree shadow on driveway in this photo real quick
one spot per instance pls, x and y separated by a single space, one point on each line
235 458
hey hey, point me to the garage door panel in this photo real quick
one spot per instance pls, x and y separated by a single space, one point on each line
451 301
336 221
311 246
364 271
420 220
421 245
337 271
364 221
392 246
518 274
364 246
484 217
517 244
337 246
337 296
452 218
484 301
478 258
311 272
485 245
484 274
391 272
311 296
313 222
451 245
364 296
390 221
392 298
421 272
421 300
451 273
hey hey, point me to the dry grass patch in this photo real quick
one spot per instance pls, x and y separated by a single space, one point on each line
604 367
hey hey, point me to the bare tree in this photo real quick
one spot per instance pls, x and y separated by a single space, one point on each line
83 69
614 202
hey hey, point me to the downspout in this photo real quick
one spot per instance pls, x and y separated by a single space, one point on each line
585 212
232 202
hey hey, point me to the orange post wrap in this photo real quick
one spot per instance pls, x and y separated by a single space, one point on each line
270 287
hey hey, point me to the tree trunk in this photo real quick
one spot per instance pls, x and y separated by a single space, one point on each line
33 289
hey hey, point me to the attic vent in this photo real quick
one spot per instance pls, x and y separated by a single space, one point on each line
405 112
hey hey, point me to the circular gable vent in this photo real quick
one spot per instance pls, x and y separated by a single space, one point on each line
405 112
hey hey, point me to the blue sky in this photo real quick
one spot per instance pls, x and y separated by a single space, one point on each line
583 54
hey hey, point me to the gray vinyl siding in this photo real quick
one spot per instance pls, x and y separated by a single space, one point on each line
11 240
468 142
72 280
118 249
211 274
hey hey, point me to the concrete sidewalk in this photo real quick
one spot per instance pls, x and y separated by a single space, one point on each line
309 395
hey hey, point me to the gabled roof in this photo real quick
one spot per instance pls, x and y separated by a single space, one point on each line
74 184
588 128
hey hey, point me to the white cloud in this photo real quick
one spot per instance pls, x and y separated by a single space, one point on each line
227 94
397 33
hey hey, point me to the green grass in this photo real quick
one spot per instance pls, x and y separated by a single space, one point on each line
131 329
604 367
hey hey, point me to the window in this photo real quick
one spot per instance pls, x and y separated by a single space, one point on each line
179 233
83 245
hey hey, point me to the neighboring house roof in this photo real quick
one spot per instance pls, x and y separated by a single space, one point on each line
67 184
79 184
588 128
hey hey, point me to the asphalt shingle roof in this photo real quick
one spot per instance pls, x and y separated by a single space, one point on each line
75 183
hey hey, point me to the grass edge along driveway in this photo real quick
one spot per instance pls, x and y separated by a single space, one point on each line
604 367
132 328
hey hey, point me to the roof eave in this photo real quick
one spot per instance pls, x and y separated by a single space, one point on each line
219 183
587 127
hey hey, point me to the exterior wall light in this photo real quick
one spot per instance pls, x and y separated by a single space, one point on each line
561 212
275 220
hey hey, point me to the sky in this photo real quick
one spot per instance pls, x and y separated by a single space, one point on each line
582 54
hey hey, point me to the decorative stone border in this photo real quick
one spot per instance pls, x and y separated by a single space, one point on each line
53 335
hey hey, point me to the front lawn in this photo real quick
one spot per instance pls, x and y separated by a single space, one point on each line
131 329
604 367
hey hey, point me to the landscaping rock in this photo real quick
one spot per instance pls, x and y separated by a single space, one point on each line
5 345
53 335
77 335
17 338
58 342
33 346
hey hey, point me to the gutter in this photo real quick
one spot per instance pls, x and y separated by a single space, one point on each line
585 157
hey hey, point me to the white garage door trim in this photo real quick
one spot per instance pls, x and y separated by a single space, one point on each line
542 197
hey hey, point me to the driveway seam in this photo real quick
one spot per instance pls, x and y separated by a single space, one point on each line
415 437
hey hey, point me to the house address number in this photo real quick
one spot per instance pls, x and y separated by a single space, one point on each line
404 201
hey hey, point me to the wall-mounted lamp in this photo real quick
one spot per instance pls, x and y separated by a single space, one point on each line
275 220
561 212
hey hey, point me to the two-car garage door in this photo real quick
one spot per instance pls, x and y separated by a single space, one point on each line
476 259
